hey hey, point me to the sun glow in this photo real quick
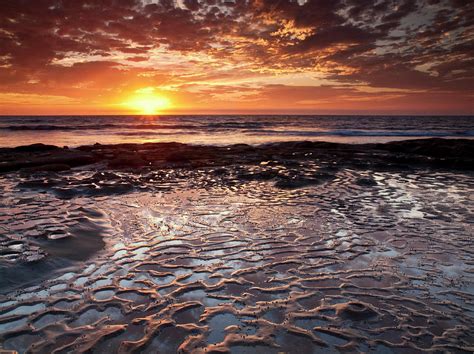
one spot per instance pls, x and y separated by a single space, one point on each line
146 102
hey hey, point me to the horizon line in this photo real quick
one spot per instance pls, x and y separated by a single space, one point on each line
247 114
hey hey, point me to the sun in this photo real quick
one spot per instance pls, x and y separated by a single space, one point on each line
148 103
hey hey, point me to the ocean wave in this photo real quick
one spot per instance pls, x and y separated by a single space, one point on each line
252 128
367 133
264 126
59 127
196 126
151 133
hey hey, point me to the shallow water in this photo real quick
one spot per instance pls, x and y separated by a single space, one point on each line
202 261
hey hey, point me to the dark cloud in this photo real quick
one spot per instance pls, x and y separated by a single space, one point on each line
426 44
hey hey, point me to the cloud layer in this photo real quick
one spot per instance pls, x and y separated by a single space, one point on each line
242 55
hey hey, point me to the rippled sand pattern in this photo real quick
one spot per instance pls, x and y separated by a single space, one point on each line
363 261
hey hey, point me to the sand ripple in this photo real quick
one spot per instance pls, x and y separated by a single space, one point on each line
244 260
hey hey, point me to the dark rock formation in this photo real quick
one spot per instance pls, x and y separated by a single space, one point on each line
433 153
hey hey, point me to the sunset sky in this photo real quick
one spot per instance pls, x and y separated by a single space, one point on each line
241 56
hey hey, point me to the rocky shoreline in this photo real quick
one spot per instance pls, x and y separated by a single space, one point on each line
455 154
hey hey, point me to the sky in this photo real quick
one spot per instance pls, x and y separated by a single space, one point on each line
236 57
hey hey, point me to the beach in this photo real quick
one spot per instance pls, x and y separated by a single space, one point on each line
281 247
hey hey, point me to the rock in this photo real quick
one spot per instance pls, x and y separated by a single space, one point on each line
127 161
178 157
264 175
36 148
435 147
220 171
366 182
294 183
57 167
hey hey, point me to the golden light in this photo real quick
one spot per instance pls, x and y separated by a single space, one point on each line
148 103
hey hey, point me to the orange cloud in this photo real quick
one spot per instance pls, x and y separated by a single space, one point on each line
78 57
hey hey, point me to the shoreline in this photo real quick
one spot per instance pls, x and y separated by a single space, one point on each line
432 153
251 238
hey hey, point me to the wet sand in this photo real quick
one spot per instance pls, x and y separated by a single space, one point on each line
293 247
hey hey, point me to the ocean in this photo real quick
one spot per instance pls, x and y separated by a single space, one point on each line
229 129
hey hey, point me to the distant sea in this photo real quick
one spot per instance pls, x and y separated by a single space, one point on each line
223 130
